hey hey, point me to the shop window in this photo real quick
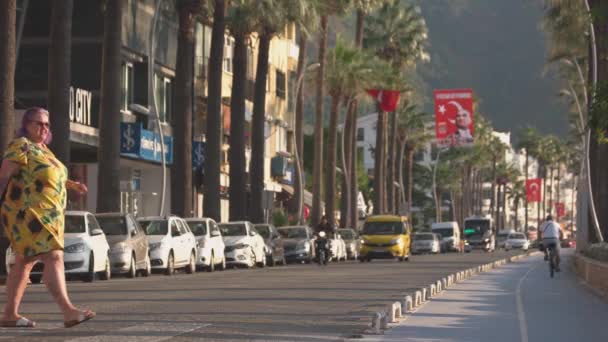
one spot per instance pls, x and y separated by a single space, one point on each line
280 84
140 83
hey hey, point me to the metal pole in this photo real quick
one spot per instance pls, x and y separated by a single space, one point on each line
20 29
153 109
345 174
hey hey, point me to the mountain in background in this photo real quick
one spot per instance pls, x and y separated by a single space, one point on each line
495 47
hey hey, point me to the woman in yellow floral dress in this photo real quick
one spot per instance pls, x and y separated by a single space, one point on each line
32 214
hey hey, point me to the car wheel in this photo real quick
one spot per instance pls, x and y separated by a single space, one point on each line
170 265
132 270
191 268
106 274
36 279
262 264
90 275
211 267
148 270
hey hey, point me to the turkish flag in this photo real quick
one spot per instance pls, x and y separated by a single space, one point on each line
560 209
388 99
454 117
533 189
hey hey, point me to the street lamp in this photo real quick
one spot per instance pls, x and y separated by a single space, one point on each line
310 67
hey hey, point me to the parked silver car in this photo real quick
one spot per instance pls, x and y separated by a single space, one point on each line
128 244
352 241
299 243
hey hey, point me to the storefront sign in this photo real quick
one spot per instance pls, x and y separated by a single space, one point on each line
80 106
137 142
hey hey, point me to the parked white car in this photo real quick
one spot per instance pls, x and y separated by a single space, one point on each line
426 243
517 241
244 246
172 244
85 253
209 242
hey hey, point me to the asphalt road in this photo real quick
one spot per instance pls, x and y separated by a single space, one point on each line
292 303
517 302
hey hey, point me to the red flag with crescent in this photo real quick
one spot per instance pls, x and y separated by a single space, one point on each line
533 190
560 209
454 124
388 99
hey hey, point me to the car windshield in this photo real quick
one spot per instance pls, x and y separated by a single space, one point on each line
233 229
423 237
263 230
444 232
293 233
156 227
113 225
75 224
518 236
383 228
347 234
198 228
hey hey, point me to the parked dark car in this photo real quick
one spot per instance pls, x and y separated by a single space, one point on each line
274 244
352 242
299 243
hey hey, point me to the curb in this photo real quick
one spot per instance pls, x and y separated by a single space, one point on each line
397 311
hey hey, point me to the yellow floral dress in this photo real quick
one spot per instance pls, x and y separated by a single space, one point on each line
33 208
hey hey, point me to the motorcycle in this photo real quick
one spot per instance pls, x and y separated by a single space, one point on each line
322 249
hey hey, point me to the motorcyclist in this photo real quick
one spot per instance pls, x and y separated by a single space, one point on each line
322 243
551 234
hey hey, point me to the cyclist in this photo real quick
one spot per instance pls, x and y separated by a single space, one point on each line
551 233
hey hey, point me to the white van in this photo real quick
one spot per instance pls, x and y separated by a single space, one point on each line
450 235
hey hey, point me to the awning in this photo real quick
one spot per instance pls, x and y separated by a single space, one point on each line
288 188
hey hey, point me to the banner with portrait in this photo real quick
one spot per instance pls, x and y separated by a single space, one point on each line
454 125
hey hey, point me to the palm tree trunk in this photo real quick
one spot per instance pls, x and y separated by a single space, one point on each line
410 180
108 185
330 170
59 77
303 41
390 193
8 10
318 161
493 198
497 219
213 135
558 190
551 204
503 217
258 141
544 182
526 197
236 154
379 164
181 173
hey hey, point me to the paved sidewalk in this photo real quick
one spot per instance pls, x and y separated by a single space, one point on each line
516 302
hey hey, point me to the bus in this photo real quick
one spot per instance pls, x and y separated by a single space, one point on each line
479 234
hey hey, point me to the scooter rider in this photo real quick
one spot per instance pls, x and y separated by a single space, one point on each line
322 243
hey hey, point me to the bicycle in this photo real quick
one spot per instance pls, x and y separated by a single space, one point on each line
552 259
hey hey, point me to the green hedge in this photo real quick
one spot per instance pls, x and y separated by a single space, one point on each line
598 251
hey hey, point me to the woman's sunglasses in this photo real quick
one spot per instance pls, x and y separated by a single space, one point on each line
41 123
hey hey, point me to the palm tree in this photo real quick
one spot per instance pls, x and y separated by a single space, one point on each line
396 34
517 195
181 173
240 22
528 139
8 10
211 191
108 194
348 69
59 64
326 8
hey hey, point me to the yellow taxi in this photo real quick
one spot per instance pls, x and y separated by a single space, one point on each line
385 237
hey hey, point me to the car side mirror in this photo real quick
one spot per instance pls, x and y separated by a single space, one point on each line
252 233
275 237
133 233
96 232
215 234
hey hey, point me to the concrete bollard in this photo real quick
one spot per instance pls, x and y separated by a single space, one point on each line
418 298
394 312
383 321
425 294
432 290
376 322
407 304
445 282
439 286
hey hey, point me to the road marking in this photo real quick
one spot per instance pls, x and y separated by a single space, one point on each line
521 315
147 332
